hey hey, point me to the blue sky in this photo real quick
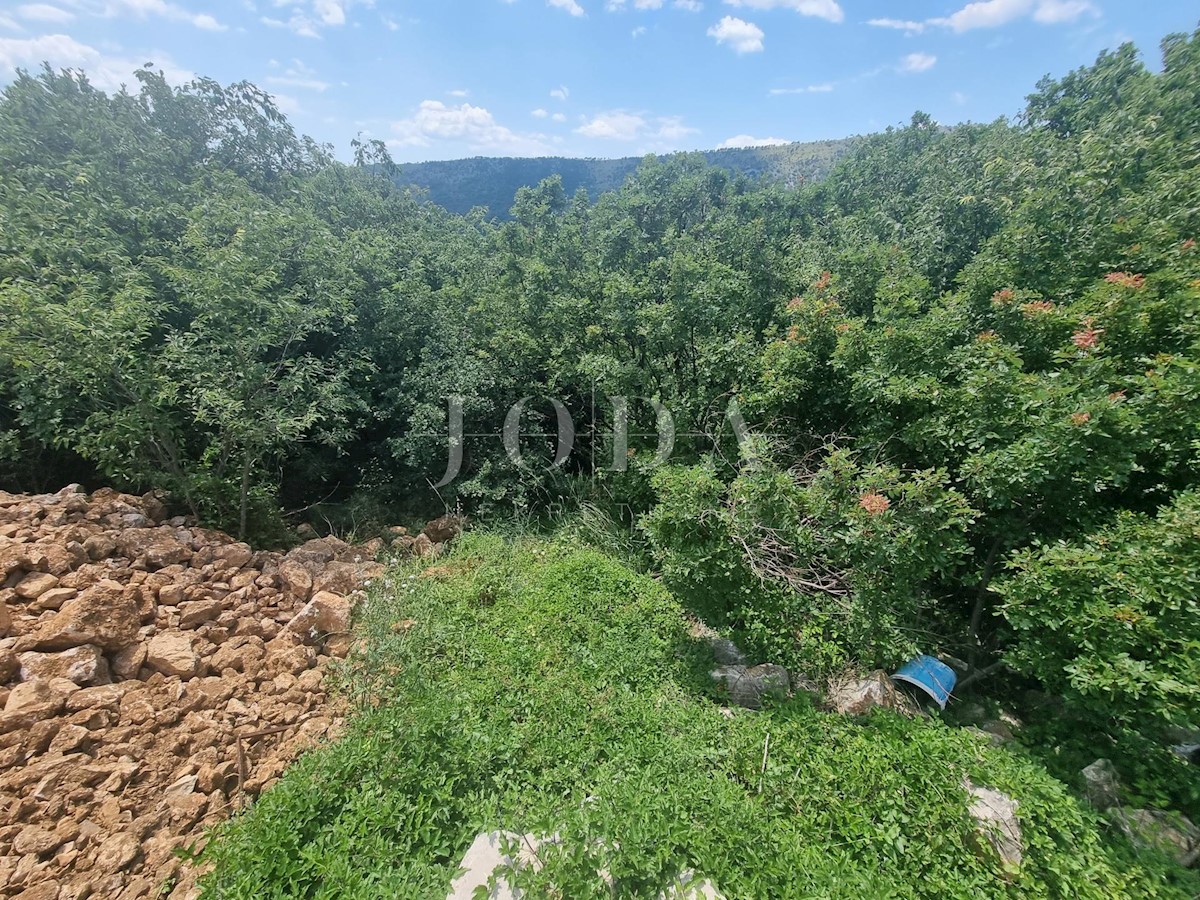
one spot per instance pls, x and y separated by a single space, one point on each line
454 78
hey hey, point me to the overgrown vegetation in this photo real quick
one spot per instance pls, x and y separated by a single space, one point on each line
539 687
970 360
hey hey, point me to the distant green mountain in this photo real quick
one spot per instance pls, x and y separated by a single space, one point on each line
461 184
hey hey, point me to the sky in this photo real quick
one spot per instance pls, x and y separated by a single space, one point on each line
445 79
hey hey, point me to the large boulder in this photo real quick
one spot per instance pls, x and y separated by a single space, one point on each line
100 546
27 557
997 828
1170 833
858 696
35 584
83 665
166 551
337 578
445 528
172 653
296 579
1101 786
325 614
196 613
104 615
424 548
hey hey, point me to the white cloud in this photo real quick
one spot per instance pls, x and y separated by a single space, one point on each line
142 9
307 18
613 126
745 140
639 31
807 89
44 12
558 117
994 13
539 114
569 5
330 12
459 92
622 5
1051 12
10 24
301 76
622 125
472 125
671 128
986 14
560 93
822 9
287 104
742 36
918 62
906 25
62 51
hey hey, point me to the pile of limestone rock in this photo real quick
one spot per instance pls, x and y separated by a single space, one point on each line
153 676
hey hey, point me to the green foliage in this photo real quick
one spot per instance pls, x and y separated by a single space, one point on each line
548 689
845 554
1112 622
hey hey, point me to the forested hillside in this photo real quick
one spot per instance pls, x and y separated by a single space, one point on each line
967 363
461 185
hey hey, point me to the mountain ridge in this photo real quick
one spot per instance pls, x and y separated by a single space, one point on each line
462 184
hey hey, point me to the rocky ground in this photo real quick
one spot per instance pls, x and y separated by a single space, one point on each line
154 676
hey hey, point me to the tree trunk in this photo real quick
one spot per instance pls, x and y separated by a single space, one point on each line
981 601
247 464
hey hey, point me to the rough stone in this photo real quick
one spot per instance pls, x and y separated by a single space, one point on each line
858 696
35 584
117 852
127 661
99 784
38 693
100 546
296 579
103 615
10 665
198 612
1101 785
1168 832
325 614
56 597
107 696
173 653
337 578
36 840
445 528
424 548
166 551
84 665
997 828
